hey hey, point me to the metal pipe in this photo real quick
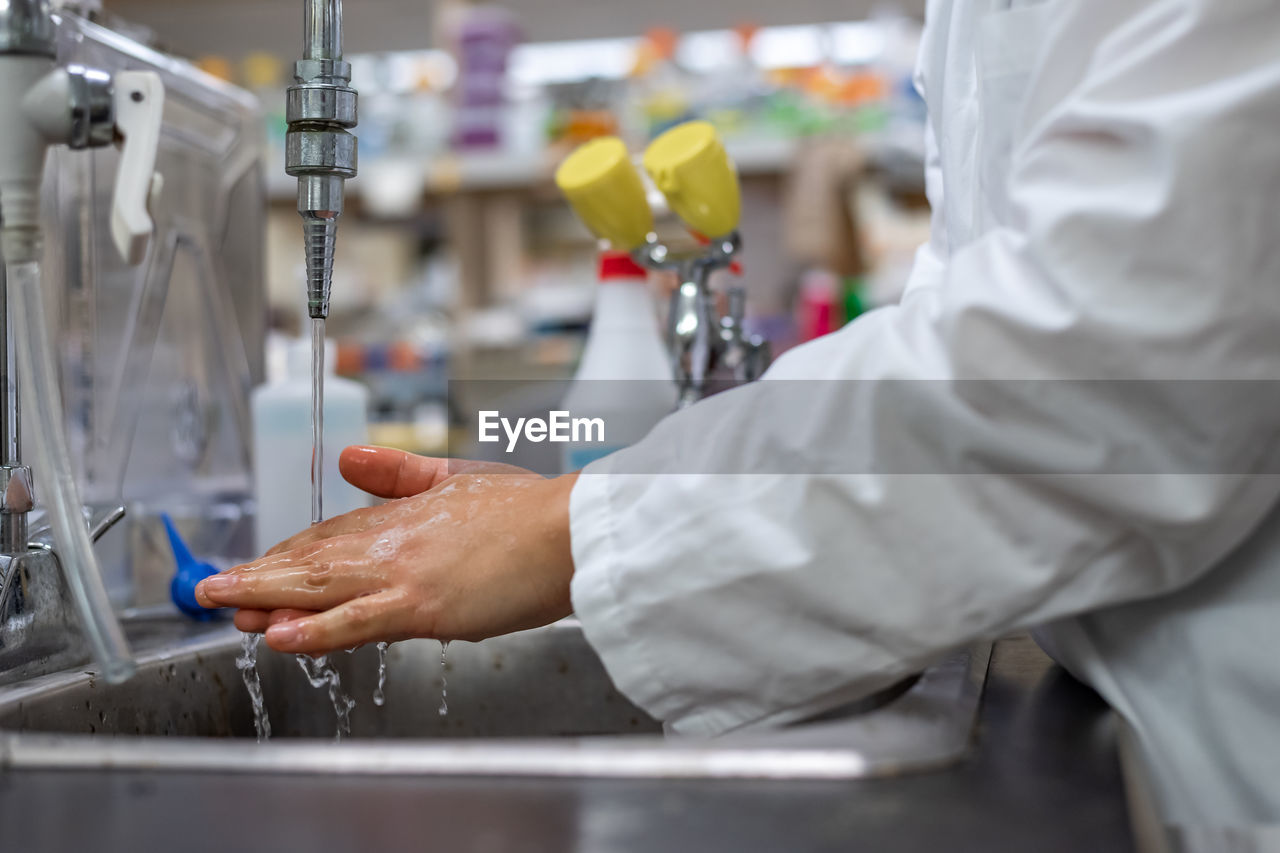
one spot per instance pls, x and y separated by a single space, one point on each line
27 47
16 497
11 409
322 27
319 151
26 27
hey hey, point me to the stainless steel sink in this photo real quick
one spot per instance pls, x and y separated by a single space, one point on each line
534 703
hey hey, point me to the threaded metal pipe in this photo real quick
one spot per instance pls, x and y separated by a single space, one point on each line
319 150
319 236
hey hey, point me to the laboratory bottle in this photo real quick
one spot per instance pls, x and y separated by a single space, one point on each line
624 378
282 445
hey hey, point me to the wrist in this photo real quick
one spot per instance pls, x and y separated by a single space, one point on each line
555 504
554 551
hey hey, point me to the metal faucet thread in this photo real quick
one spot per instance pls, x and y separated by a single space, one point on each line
319 149
319 238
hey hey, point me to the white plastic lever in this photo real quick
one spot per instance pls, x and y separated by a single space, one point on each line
139 105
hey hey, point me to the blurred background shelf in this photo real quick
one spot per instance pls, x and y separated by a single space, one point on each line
457 257
497 171
236 28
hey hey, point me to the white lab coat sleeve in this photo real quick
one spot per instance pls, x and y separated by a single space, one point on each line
930 261
929 269
1140 243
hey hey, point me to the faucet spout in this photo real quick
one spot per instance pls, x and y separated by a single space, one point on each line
320 151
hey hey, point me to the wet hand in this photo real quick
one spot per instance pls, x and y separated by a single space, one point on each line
464 551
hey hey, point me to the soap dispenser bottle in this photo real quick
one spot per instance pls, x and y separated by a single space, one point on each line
625 377
282 445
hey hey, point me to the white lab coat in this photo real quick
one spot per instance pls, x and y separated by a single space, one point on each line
1106 187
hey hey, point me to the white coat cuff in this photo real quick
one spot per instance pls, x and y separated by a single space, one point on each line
607 624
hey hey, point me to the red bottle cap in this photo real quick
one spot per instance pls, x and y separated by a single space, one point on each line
616 265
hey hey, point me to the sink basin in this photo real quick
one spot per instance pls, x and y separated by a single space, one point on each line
538 683
534 703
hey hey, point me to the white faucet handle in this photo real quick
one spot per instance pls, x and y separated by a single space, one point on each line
139 108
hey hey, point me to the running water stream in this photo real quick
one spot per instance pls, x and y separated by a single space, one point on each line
317 420
321 671
247 663
444 679
379 696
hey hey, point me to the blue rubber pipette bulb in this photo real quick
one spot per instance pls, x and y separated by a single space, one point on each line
182 589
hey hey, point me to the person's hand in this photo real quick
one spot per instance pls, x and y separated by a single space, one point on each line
468 551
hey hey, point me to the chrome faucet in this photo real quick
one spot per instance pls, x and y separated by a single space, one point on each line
747 356
42 104
39 632
320 151
702 342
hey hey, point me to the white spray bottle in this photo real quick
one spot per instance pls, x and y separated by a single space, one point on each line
625 377
282 445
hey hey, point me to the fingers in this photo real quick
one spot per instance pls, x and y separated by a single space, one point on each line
371 618
252 621
355 521
389 473
306 587
278 616
307 579
257 621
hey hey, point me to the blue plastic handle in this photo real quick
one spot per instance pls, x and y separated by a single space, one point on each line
182 589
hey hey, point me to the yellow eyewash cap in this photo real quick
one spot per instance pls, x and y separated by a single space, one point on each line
692 169
605 191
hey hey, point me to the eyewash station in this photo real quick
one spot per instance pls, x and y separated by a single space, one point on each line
205 300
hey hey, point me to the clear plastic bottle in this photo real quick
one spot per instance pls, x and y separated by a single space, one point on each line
625 375
282 445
